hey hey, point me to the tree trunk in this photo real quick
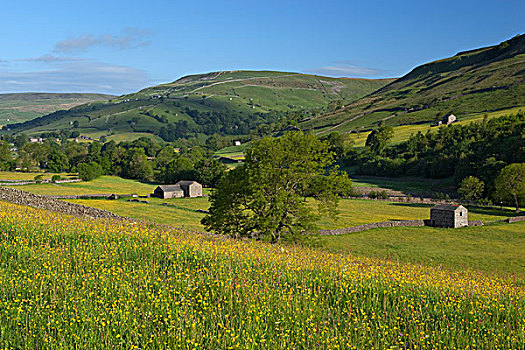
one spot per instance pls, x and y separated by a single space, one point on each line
516 202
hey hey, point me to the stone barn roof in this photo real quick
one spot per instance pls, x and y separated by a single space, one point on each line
170 188
448 207
184 183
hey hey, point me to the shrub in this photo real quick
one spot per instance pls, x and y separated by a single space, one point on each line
56 178
39 178
89 171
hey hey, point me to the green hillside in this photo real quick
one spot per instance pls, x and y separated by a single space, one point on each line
20 107
228 103
471 82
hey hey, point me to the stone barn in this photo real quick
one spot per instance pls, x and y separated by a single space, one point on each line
448 119
168 191
191 188
181 189
448 215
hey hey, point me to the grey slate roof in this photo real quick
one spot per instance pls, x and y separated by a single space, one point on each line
184 183
448 207
170 188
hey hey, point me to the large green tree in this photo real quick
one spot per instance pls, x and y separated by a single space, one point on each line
269 195
510 183
136 165
378 139
471 188
6 159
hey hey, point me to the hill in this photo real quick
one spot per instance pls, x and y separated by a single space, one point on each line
476 81
20 107
227 103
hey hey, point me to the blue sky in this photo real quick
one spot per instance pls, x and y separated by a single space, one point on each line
121 46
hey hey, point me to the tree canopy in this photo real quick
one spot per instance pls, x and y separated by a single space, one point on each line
269 194
510 183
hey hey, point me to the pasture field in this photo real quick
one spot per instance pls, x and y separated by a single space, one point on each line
497 248
13 176
403 132
236 152
19 107
354 212
183 212
408 185
102 185
74 283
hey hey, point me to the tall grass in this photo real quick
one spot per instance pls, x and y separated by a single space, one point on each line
73 283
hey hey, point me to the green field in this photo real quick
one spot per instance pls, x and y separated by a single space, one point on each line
497 248
13 176
26 106
497 244
403 132
102 185
408 185
234 152
244 94
352 212
72 283
184 215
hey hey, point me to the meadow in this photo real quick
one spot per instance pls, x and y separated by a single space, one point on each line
19 107
403 132
8 176
103 185
181 213
497 248
73 283
351 212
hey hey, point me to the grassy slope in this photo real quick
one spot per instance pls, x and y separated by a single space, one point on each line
26 106
249 91
76 283
12 176
103 184
403 132
353 212
495 248
184 215
487 79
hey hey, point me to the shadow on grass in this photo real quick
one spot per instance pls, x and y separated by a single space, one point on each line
472 209
413 205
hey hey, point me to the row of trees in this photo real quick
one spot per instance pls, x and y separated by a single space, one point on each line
480 150
509 186
142 159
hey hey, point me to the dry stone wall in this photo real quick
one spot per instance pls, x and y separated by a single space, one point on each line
16 196
516 219
402 223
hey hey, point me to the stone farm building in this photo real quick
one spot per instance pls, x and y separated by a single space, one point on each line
181 189
448 215
448 119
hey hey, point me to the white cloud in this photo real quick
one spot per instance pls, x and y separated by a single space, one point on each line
131 38
47 58
79 75
347 69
